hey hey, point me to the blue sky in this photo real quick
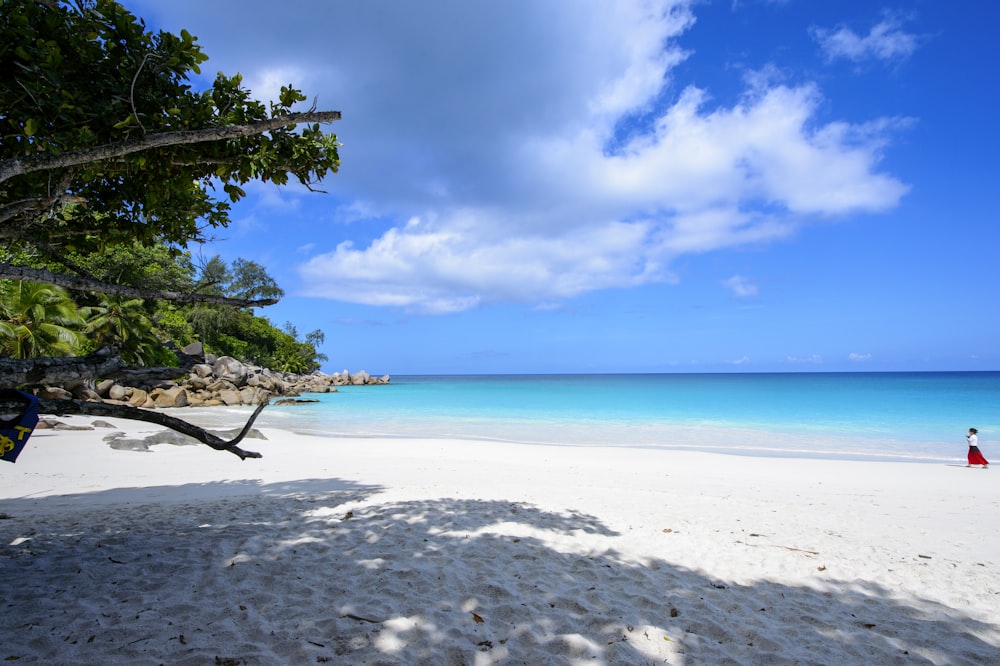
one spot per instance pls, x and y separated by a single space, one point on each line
648 186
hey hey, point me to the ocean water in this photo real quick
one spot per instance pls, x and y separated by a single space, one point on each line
879 416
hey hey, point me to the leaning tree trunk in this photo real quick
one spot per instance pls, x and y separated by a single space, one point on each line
106 364
60 407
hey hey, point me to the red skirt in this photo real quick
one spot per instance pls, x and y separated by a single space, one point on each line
975 457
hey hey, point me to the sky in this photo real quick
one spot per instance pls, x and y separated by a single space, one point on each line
545 186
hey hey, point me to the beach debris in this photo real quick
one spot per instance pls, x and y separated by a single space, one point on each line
359 618
667 531
799 550
674 612
348 515
487 645
822 567
478 618
926 557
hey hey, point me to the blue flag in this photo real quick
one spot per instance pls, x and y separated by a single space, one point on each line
14 432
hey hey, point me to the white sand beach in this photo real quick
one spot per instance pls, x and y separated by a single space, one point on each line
417 551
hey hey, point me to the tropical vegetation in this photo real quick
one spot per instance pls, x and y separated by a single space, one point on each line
45 320
111 143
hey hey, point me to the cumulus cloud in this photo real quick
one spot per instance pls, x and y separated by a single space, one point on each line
701 180
476 171
858 357
886 41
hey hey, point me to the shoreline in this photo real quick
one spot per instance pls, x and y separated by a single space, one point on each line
387 550
726 440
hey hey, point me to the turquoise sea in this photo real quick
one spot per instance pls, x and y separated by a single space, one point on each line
919 416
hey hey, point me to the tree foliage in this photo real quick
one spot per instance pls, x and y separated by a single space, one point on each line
106 143
100 127
32 314
37 320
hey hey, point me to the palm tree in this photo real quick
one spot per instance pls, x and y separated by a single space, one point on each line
37 320
123 323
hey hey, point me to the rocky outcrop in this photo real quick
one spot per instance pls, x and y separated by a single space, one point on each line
220 381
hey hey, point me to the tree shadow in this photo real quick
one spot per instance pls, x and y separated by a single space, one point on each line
326 571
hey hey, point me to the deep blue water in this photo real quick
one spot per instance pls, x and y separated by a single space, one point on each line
913 416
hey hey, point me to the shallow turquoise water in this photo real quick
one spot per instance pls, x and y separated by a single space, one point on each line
898 416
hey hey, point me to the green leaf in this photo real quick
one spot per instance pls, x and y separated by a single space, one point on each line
30 127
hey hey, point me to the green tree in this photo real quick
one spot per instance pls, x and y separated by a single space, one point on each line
215 276
250 280
124 324
104 141
37 320
102 131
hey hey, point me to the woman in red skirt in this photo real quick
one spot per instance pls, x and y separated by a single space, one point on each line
975 455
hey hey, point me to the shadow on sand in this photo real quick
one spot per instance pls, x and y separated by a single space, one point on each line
325 571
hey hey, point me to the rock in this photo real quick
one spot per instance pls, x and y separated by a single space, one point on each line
229 397
220 385
217 381
101 424
54 393
202 370
86 394
230 370
252 396
197 383
172 397
53 424
194 349
138 397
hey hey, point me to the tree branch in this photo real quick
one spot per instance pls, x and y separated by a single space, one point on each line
62 407
23 165
12 272
105 364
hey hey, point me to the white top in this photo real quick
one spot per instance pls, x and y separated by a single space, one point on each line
973 440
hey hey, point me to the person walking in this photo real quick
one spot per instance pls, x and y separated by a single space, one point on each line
975 455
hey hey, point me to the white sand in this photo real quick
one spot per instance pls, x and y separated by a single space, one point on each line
410 551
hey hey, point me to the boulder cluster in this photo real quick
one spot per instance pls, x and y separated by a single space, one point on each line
218 381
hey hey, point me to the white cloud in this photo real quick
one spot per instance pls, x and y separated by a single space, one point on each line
740 286
437 266
266 83
814 359
701 180
492 150
886 41
858 357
